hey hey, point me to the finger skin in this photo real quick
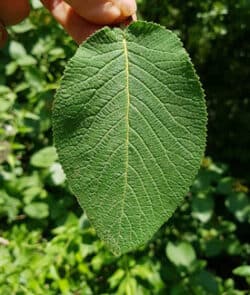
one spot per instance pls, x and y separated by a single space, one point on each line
13 11
77 27
104 12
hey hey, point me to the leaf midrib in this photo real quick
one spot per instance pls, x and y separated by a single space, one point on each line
125 48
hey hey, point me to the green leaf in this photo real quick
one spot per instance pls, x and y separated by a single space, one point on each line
225 186
7 98
44 158
9 206
26 60
182 254
23 27
37 210
17 50
202 207
238 203
116 278
128 286
64 286
207 281
5 150
57 174
243 271
129 126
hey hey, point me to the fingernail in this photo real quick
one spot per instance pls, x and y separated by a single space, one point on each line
128 7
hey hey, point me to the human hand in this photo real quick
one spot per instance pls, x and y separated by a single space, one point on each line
80 18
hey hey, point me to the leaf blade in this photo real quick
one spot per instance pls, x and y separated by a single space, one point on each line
127 138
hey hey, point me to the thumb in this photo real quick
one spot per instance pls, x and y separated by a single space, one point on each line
104 12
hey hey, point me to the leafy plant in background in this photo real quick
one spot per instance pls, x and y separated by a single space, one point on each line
57 251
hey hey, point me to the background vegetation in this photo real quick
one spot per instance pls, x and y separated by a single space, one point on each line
47 245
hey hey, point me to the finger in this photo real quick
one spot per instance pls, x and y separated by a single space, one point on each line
13 11
134 17
77 27
128 21
3 35
104 12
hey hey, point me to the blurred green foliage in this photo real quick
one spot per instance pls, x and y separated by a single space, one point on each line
216 34
47 245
